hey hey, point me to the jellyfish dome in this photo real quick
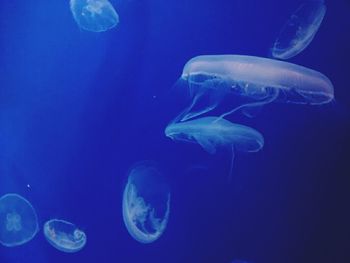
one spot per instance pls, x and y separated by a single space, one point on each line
64 235
94 15
18 220
146 203
300 30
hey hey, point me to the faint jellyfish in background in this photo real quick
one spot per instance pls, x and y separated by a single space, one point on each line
18 220
146 202
261 80
64 235
94 15
213 132
299 30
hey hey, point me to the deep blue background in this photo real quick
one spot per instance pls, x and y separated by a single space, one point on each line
78 109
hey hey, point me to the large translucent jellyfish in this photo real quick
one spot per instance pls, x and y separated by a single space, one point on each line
18 220
146 203
64 235
260 79
94 15
299 30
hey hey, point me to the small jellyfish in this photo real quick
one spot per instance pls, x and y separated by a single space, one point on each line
214 132
146 203
64 235
299 30
18 220
94 15
262 80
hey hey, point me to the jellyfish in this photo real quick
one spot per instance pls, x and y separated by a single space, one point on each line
262 80
94 15
18 220
64 235
146 203
299 30
214 132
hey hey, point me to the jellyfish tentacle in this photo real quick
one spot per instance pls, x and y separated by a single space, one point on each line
251 104
213 88
231 165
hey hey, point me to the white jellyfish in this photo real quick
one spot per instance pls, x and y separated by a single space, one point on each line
299 30
64 235
262 80
18 220
214 132
146 203
94 15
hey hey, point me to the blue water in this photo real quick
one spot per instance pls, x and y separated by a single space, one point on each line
78 109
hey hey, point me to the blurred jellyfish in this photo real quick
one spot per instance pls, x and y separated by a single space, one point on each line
261 79
299 30
94 15
146 203
18 220
64 235
214 132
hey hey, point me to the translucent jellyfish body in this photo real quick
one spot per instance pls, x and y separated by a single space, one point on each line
18 220
146 203
214 132
64 235
299 30
94 15
261 79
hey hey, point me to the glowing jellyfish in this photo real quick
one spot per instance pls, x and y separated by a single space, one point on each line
299 30
64 235
214 132
94 15
18 220
261 79
146 203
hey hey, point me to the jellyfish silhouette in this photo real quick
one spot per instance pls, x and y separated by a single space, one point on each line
262 80
94 15
64 235
18 220
146 203
213 132
300 30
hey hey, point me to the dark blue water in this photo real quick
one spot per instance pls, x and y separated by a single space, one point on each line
78 109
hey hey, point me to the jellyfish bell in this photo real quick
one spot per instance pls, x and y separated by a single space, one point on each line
300 30
261 79
18 220
94 15
146 203
64 235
